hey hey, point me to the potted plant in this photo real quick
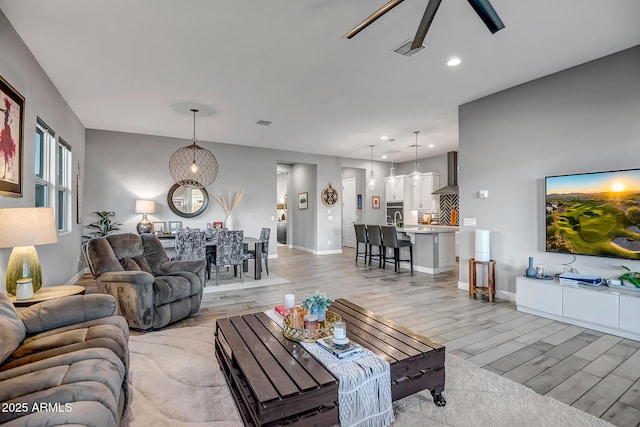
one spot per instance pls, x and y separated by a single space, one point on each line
317 304
104 225
630 277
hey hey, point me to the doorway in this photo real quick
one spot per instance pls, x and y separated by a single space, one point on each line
349 212
282 207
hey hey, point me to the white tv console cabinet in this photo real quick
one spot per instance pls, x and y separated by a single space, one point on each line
611 310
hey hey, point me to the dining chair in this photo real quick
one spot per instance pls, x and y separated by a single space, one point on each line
361 238
265 233
375 240
190 245
229 251
212 241
390 240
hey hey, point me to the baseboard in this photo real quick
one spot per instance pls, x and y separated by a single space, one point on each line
428 270
501 295
301 248
77 276
328 252
505 296
313 251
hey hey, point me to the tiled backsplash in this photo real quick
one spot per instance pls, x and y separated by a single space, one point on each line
449 202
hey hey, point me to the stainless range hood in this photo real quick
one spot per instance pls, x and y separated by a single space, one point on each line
452 175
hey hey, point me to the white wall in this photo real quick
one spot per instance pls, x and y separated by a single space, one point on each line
584 119
60 262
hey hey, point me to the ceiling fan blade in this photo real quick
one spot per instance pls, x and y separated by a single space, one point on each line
372 18
429 13
488 15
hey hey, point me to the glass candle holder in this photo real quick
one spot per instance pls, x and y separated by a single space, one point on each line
24 288
311 321
339 330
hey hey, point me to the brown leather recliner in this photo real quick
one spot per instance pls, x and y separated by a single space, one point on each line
151 290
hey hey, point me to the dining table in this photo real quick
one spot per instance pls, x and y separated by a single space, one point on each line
168 242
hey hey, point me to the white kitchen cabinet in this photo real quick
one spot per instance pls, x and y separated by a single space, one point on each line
421 197
397 193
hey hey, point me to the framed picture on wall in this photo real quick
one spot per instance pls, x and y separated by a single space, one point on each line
175 226
303 200
12 109
217 224
159 227
375 202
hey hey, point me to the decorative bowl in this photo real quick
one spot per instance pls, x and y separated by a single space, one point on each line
325 329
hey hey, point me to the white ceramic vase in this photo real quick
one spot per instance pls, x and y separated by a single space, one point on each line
228 222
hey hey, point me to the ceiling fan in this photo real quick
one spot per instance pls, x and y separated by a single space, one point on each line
482 7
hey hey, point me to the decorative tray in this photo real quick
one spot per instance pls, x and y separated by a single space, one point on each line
325 329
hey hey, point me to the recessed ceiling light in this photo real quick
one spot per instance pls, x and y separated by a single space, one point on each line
384 156
431 145
384 137
454 62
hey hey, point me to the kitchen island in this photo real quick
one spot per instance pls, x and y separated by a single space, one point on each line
434 247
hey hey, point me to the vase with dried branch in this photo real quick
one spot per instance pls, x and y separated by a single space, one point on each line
229 204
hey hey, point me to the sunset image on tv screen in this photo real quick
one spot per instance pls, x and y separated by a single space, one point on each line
594 214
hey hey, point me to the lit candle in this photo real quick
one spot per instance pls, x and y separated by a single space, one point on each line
339 330
289 301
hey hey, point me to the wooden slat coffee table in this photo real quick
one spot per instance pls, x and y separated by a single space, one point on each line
417 363
275 381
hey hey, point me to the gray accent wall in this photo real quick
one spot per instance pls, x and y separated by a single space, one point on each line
60 261
125 167
584 119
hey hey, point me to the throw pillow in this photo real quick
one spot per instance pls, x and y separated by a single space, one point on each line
143 264
129 264
13 330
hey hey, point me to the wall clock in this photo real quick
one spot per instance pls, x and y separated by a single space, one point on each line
329 195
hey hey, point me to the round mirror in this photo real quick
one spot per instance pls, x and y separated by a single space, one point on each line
187 202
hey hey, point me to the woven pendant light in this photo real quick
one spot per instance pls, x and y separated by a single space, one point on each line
193 166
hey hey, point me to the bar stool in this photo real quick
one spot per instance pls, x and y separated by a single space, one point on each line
390 240
488 290
361 238
375 239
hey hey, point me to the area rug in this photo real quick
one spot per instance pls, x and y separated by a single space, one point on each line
230 283
176 381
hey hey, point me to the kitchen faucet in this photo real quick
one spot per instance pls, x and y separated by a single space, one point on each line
389 220
395 217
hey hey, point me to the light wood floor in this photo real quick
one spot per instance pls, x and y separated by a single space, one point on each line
589 370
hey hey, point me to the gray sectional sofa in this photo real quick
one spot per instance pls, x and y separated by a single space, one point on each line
63 362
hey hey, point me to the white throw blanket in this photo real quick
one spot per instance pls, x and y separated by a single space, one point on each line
364 391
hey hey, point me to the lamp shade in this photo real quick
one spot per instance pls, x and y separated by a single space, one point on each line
27 227
22 229
145 206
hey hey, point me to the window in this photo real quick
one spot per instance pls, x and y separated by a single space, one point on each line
63 186
53 175
45 142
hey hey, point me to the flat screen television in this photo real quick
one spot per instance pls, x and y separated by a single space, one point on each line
594 214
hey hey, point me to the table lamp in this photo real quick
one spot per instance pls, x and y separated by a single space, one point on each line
145 207
22 229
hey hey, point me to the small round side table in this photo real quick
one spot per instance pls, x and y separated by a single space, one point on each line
488 290
47 293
